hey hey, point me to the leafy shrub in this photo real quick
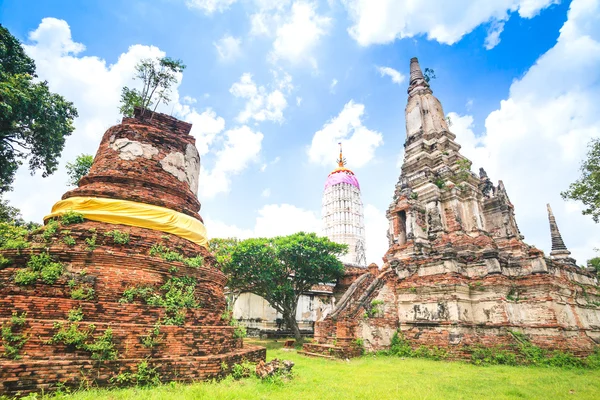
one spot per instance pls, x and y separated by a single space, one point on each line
153 338
118 236
103 347
12 236
50 230
71 336
71 217
83 293
176 294
51 272
146 375
399 346
39 266
4 262
25 277
244 369
69 241
11 341
75 315
194 262
91 242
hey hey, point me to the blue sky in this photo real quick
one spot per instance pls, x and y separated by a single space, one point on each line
309 76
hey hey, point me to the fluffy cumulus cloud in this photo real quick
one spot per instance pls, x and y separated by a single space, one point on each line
396 76
383 21
263 104
228 48
298 35
94 86
210 6
359 142
272 220
242 147
537 138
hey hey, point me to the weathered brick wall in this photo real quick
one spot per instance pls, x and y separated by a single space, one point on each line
199 348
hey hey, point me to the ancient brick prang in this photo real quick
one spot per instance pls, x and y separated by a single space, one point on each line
90 302
462 274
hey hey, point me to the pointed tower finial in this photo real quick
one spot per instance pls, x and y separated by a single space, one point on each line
341 161
417 79
559 250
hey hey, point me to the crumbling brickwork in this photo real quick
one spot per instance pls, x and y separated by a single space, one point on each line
463 275
174 316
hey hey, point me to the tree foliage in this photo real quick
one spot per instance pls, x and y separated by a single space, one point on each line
587 188
79 168
280 269
158 76
428 74
33 121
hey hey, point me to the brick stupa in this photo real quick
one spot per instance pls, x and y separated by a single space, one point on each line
158 291
458 274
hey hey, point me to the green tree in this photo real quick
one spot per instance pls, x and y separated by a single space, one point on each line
78 169
33 121
157 76
429 74
587 188
280 269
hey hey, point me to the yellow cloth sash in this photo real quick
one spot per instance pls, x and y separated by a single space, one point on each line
131 213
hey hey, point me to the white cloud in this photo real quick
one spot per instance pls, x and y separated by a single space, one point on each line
266 193
298 101
210 6
206 126
94 86
359 142
378 22
262 104
189 100
228 48
272 220
396 76
298 34
493 36
242 146
332 85
537 139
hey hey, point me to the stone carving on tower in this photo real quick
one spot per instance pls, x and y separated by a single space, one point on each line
342 212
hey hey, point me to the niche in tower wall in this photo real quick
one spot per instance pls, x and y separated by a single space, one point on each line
400 228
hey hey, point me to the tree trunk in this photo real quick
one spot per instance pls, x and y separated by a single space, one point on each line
290 319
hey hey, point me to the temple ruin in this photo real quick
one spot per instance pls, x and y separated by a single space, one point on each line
458 273
120 278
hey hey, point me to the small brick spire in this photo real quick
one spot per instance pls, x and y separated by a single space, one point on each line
559 250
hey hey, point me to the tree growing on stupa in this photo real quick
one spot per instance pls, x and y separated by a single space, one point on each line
280 269
158 76
79 168
34 122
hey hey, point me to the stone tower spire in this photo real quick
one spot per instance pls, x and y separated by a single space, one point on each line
343 219
417 80
559 250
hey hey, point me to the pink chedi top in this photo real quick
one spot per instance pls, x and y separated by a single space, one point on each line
341 175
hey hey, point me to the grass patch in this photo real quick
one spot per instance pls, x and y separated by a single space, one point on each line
376 377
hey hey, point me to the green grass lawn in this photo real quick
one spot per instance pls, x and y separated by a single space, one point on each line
380 377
